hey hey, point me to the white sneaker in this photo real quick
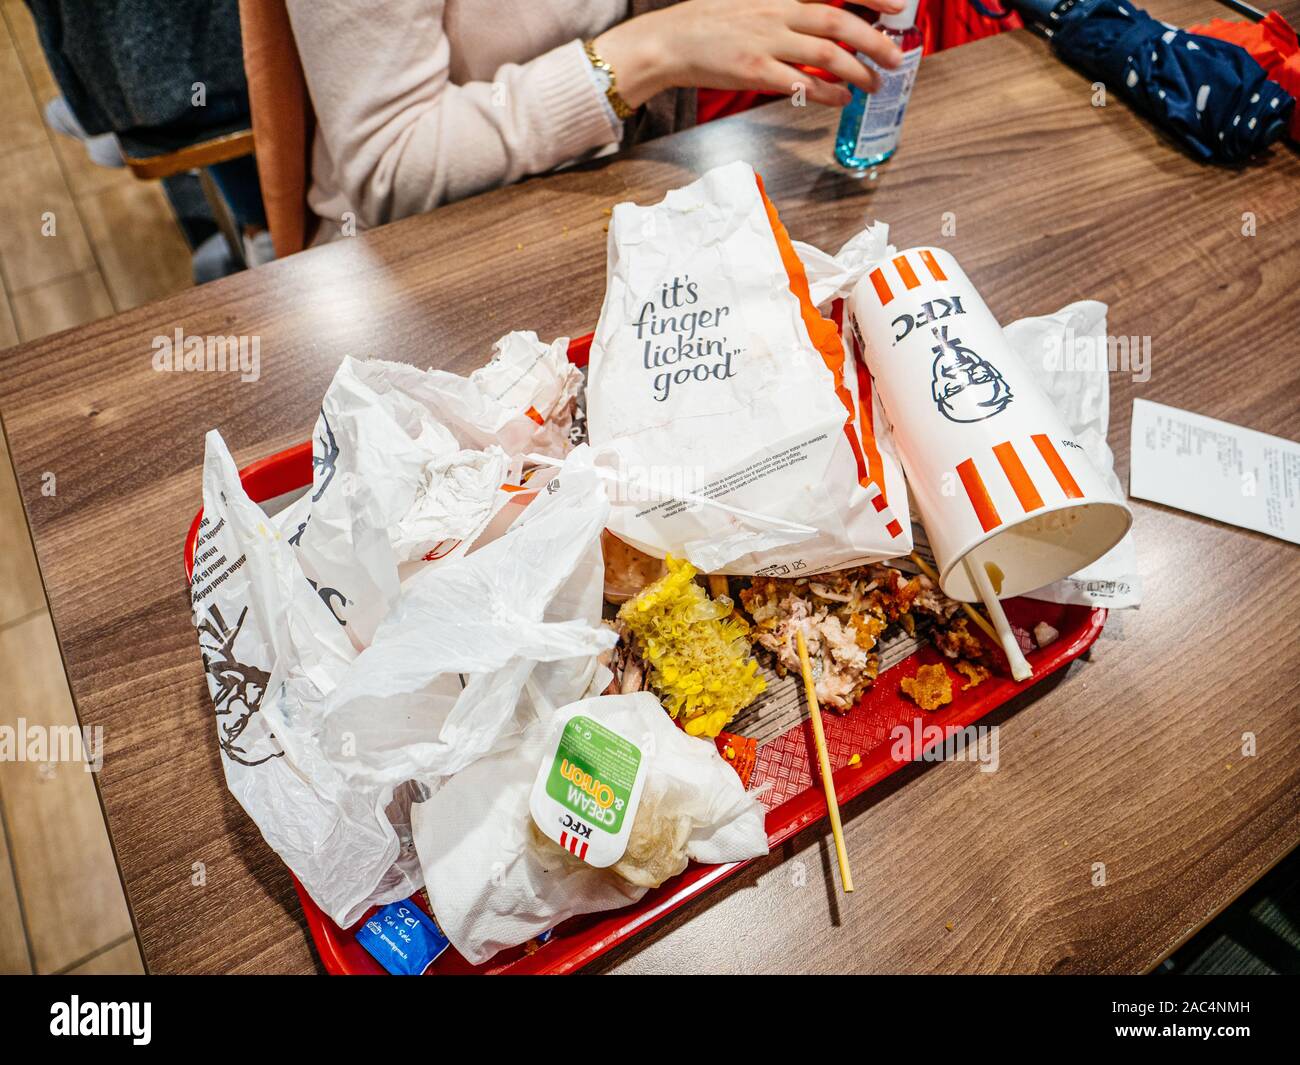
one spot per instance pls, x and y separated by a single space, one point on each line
258 248
103 148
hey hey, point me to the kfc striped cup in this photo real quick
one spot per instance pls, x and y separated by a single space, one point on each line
994 469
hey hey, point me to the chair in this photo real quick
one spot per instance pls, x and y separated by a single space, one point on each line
154 154
283 121
280 140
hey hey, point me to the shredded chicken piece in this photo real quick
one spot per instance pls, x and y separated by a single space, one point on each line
956 640
1045 634
974 673
842 615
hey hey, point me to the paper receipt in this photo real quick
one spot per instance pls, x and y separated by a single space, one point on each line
1215 469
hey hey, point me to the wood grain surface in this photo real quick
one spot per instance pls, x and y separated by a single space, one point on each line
1131 758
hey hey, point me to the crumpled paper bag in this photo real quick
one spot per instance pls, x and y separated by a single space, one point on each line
494 886
713 372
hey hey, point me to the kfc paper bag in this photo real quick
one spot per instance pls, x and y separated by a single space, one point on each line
718 394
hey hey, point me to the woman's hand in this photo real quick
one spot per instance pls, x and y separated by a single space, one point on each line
746 44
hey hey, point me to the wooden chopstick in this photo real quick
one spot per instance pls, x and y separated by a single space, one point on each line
824 761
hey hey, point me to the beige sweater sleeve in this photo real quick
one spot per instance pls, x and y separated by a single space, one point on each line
396 137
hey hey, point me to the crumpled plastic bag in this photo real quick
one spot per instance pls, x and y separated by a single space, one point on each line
494 882
522 400
439 684
408 466
271 650
279 634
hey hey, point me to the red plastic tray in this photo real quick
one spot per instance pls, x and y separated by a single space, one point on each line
794 798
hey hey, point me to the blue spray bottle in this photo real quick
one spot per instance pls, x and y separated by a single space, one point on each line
871 122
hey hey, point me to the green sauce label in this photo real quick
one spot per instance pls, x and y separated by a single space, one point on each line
588 788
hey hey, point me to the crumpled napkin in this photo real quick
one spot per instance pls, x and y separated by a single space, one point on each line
493 886
1067 353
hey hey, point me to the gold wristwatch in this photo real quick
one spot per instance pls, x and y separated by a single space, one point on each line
605 78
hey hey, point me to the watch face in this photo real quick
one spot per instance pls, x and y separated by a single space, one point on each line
602 78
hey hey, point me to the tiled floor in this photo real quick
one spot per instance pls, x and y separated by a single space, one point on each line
77 242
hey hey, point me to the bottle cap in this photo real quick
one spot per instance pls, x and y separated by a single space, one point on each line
905 19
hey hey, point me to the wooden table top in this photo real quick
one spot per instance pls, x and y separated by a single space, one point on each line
1131 758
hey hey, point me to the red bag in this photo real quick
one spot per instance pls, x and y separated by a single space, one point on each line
943 24
1272 44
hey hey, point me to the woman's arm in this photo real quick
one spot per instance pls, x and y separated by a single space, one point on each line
401 138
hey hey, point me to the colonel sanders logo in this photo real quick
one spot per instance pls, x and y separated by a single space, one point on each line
965 387
237 690
324 464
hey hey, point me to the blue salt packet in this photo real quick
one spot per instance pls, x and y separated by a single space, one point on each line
402 938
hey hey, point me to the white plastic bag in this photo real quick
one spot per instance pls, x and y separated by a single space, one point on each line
718 394
494 883
283 604
439 684
408 466
271 650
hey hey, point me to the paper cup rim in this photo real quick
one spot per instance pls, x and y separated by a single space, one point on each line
1011 589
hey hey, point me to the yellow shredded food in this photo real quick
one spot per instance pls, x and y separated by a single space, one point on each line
696 650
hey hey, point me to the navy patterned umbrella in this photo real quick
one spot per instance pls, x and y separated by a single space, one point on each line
1211 96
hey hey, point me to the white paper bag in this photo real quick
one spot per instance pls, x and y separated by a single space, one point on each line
717 393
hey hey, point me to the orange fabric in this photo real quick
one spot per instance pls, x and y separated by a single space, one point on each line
943 24
283 122
948 23
718 103
821 331
1272 44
